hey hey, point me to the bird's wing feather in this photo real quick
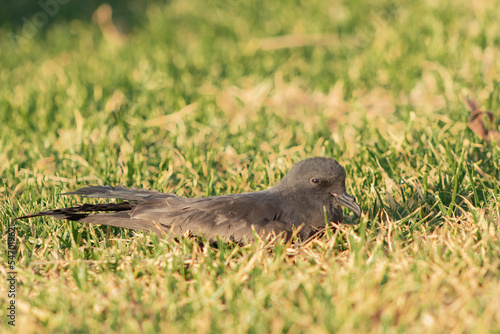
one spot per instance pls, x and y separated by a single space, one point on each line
122 219
228 217
120 192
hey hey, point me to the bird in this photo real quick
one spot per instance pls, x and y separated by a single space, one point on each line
307 199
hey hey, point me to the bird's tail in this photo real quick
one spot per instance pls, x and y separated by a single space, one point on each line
111 214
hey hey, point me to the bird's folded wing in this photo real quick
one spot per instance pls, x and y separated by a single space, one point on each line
228 217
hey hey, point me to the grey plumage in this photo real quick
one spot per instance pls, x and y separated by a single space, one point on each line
300 199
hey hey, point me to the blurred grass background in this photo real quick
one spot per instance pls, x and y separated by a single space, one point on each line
208 98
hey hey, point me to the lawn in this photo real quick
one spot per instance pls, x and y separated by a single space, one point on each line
204 98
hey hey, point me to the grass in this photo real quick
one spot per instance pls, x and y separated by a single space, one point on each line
208 98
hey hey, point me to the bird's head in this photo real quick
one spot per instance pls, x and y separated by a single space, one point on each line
321 179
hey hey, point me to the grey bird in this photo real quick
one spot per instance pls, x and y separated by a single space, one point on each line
311 188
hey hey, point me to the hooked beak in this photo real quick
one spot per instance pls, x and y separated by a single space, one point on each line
349 202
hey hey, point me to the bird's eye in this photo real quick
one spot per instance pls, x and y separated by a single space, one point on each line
315 181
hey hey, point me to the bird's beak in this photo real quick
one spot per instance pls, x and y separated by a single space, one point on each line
349 202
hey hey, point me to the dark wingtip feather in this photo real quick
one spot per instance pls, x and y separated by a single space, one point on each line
81 211
120 192
28 216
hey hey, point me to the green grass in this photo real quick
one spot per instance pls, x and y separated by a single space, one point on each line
207 98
